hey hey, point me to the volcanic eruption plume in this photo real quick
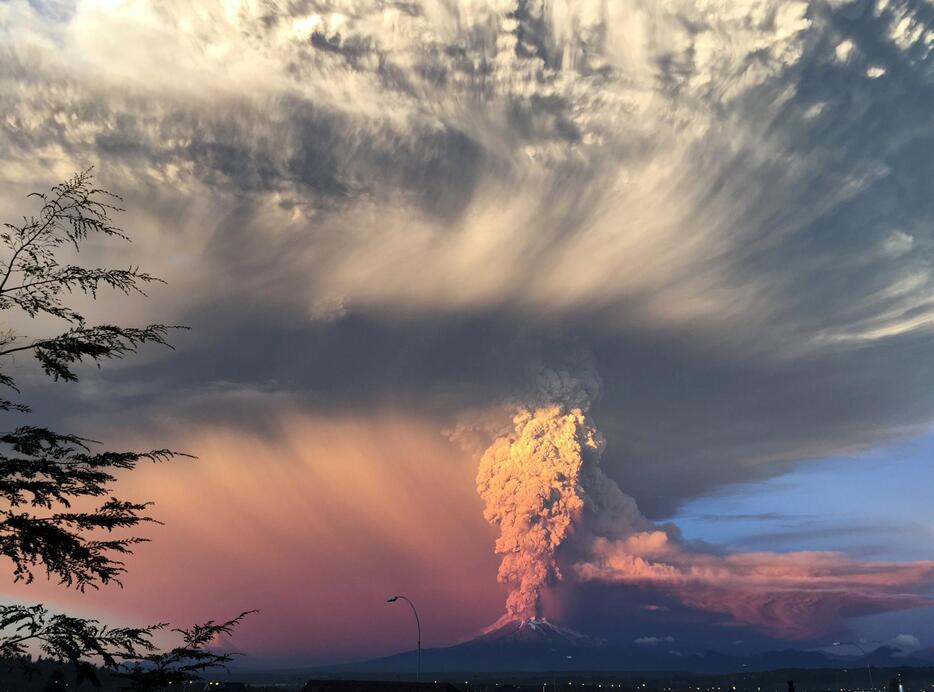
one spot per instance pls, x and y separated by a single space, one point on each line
531 480
543 487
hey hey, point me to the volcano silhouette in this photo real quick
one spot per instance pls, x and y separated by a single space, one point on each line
536 644
542 645
536 632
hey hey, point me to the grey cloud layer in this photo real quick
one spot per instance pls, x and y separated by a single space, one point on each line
727 203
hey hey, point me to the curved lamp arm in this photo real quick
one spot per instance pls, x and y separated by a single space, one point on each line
418 626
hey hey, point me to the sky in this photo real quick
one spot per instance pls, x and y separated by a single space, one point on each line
616 313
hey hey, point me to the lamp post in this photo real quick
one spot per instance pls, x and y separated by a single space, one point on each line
868 664
418 625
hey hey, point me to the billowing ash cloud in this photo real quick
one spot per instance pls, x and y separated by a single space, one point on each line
544 488
530 482
534 482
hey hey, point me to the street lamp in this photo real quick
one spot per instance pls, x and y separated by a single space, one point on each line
865 653
418 625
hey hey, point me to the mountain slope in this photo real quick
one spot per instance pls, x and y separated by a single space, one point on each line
540 645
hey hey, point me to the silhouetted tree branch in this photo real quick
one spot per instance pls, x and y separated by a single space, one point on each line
185 662
43 473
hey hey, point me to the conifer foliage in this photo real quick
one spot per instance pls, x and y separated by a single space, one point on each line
57 511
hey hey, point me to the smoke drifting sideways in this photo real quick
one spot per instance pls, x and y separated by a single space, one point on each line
544 489
798 595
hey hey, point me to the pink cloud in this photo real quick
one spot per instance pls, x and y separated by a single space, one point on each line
793 595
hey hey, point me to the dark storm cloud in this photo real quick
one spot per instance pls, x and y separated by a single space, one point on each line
416 209
678 423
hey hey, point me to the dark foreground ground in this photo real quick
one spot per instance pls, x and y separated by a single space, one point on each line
51 676
912 679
